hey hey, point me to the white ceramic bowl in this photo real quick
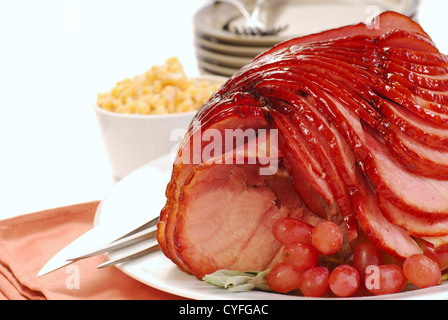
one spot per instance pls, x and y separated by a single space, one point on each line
133 140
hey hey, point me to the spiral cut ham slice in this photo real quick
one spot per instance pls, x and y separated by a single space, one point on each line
348 125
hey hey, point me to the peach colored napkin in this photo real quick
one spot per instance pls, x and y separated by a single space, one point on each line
27 242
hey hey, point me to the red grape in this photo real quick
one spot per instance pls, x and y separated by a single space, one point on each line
314 282
288 230
366 254
300 255
344 280
284 278
327 237
385 279
422 271
439 256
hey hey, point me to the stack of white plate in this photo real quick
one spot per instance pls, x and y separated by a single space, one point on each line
222 52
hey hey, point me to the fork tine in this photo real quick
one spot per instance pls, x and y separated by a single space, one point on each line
145 226
146 231
257 31
121 243
150 247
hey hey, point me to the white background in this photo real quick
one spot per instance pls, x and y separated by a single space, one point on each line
56 55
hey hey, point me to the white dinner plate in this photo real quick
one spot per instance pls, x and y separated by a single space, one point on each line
140 197
221 59
216 69
225 48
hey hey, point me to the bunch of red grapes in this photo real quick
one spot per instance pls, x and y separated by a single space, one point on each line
307 251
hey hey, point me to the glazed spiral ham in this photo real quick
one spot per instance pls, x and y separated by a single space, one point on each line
361 121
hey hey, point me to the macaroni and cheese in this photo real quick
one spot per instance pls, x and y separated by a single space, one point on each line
162 89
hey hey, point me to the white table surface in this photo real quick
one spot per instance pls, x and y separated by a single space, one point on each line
56 55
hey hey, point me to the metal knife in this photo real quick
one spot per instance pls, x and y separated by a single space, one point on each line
100 239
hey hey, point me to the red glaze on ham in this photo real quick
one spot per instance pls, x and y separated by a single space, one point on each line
360 117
